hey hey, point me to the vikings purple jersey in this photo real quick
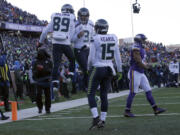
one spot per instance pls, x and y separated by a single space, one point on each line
133 63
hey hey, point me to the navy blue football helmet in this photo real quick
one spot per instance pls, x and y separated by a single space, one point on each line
140 38
101 26
67 8
83 15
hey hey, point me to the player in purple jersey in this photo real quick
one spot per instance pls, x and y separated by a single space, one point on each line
137 77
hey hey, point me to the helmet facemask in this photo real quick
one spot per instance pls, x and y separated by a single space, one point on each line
140 38
83 19
101 26
83 15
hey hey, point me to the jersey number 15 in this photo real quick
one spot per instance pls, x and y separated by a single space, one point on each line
107 51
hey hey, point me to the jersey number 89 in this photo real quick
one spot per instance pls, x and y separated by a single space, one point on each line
58 22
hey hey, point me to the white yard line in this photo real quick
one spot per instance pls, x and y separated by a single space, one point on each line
175 103
110 116
50 116
176 97
167 94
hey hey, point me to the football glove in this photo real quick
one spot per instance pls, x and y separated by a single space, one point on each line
80 34
119 76
38 45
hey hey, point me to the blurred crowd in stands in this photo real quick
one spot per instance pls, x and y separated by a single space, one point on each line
156 53
12 14
19 48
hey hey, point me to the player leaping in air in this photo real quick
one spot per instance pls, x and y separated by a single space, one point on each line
62 26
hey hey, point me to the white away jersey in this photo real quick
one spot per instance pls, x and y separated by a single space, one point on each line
103 50
62 26
88 33
174 67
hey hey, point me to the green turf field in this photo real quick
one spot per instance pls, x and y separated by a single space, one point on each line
76 121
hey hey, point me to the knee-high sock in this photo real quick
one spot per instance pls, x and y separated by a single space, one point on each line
150 98
130 100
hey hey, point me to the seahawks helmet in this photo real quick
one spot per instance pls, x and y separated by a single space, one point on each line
101 26
140 38
67 8
83 15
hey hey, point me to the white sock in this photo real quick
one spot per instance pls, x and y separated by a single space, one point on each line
103 116
94 112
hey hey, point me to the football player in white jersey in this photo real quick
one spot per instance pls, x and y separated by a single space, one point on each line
84 30
103 50
62 26
174 70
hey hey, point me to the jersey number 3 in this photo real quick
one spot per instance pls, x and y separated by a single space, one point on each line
58 22
107 51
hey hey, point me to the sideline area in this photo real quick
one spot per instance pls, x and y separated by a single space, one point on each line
32 112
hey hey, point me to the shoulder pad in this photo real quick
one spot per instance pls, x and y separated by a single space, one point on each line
54 14
71 15
91 23
135 47
57 14
65 14
116 38
77 24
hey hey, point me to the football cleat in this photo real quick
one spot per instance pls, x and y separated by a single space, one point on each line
39 110
159 110
95 123
101 124
48 111
128 114
4 117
